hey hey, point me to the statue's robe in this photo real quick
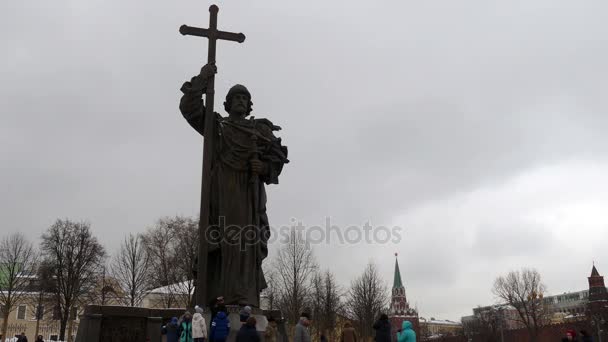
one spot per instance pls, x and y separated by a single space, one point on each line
239 233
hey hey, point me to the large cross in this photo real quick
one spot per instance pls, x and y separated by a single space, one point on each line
213 35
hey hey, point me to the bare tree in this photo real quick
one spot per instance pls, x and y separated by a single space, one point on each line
186 251
326 302
294 266
131 269
315 302
171 245
44 285
76 257
367 298
524 291
486 324
18 262
106 290
271 292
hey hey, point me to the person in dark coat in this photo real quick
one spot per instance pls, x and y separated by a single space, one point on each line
301 333
248 332
244 314
22 338
383 329
218 305
171 330
39 338
585 336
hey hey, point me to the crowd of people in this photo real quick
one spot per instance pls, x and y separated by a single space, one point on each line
23 338
382 327
193 328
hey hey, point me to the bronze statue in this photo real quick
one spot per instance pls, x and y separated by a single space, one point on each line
246 155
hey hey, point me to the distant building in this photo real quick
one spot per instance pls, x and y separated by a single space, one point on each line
568 306
597 305
36 312
570 303
505 314
171 296
400 309
432 328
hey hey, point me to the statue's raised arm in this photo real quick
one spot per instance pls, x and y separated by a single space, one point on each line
192 105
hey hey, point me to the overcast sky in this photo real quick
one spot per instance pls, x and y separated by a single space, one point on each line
479 127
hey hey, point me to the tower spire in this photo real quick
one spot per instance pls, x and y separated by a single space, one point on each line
397 283
598 295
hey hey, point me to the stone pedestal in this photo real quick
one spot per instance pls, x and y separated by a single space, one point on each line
128 324
90 325
123 324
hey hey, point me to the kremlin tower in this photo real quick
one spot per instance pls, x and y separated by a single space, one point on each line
597 307
400 308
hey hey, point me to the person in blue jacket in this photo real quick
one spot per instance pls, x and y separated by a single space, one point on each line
406 333
171 330
220 328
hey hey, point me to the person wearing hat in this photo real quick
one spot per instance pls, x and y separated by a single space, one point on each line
248 332
570 335
220 327
246 157
301 333
199 326
171 330
244 314
406 333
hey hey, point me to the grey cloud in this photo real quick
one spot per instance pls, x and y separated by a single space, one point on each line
512 239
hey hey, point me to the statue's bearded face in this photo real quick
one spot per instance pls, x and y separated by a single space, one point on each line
239 104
